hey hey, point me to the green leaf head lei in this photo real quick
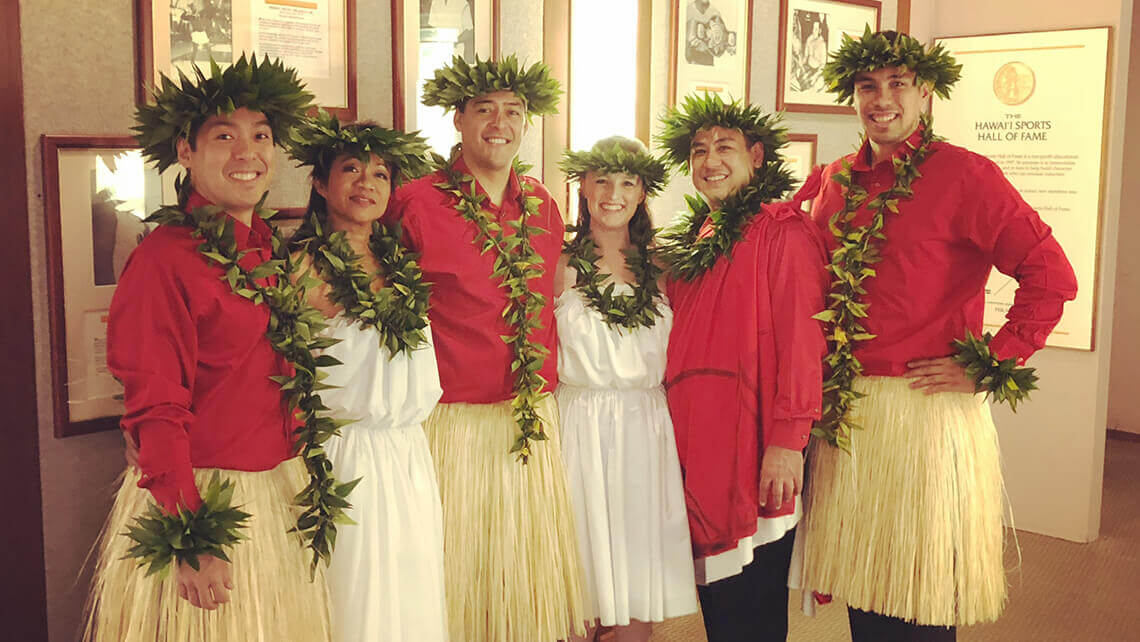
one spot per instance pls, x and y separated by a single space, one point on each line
455 84
318 141
180 108
932 66
617 155
680 125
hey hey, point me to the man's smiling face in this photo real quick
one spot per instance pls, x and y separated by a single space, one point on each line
889 104
722 161
491 128
231 161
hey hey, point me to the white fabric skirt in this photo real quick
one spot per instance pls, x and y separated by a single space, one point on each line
629 502
386 575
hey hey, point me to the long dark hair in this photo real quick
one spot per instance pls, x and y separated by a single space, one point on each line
640 225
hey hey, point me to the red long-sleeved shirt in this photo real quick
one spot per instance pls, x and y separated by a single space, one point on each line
744 370
467 304
195 364
930 286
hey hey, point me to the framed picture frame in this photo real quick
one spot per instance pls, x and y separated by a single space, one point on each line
426 34
799 156
317 37
711 48
97 189
810 32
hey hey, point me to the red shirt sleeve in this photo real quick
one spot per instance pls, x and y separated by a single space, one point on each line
797 282
152 349
1022 246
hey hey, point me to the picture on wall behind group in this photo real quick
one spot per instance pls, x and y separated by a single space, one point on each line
316 37
97 191
799 157
1034 103
427 35
711 48
810 31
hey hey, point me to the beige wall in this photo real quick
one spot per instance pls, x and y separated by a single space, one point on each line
1054 447
79 79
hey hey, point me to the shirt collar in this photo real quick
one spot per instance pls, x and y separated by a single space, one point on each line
862 163
511 194
257 233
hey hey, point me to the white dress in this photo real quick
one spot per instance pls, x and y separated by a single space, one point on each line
621 460
386 575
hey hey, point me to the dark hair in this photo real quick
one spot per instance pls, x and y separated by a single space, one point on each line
641 225
322 169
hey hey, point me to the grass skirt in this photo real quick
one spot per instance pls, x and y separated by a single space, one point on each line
510 553
273 599
910 523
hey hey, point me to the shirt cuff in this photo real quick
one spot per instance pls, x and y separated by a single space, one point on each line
1007 345
789 433
172 490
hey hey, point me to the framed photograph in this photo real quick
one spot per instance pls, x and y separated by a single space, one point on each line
1036 104
799 156
426 34
810 32
317 37
97 190
711 48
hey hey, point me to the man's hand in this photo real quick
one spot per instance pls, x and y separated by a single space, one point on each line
132 451
207 587
781 476
938 375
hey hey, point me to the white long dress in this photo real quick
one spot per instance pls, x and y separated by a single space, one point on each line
386 575
621 460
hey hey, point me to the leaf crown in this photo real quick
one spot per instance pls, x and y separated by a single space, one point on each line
934 66
459 82
681 124
180 108
318 141
610 156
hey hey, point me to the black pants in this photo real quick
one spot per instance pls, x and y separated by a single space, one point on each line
873 627
751 606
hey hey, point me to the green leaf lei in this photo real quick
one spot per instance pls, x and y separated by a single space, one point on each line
184 537
638 309
686 256
453 85
398 311
1001 379
292 331
850 267
934 67
516 263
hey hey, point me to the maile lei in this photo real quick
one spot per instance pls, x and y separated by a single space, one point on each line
516 263
637 309
397 311
293 332
688 256
858 248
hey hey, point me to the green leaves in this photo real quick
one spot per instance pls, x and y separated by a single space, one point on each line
318 141
934 67
616 160
182 538
1002 380
694 113
856 249
638 309
453 85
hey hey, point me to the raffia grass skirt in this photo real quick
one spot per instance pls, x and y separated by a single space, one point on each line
510 555
910 523
273 599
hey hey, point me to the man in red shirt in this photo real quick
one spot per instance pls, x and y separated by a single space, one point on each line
489 239
904 493
743 374
196 364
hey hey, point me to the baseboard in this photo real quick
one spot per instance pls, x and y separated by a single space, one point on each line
1123 435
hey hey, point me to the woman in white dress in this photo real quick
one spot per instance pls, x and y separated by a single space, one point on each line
386 574
621 459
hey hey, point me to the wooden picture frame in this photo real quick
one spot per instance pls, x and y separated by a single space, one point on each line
717 49
96 191
427 33
802 53
325 58
800 156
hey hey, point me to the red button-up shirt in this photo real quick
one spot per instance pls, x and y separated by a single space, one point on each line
964 218
744 370
466 303
195 363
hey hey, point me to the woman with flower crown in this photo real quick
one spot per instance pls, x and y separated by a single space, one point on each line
621 458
